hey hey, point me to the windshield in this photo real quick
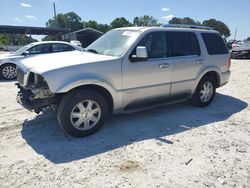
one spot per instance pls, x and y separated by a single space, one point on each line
113 43
23 49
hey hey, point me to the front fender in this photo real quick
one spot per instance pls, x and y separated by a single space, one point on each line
116 95
82 82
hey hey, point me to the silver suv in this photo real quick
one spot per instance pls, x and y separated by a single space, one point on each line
126 70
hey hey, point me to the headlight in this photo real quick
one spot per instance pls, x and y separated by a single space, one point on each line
37 81
40 81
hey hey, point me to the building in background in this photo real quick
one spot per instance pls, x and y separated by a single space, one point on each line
85 36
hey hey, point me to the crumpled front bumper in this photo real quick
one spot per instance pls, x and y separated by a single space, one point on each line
26 98
25 103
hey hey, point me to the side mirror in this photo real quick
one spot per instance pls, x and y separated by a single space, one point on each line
26 53
141 54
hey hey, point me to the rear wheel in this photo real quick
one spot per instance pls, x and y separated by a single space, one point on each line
204 92
82 112
8 71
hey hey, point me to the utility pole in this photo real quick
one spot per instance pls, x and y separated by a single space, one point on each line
54 6
235 35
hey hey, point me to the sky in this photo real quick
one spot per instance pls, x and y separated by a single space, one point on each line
236 14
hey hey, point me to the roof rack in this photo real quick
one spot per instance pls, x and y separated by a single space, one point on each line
187 26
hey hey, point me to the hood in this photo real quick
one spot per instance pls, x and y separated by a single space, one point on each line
8 56
43 63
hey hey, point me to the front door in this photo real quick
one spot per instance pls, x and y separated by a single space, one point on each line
144 80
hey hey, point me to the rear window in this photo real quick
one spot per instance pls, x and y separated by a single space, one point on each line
214 44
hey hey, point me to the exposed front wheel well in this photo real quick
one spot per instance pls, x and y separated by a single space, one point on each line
216 77
102 91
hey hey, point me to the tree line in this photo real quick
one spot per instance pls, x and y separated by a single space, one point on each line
74 22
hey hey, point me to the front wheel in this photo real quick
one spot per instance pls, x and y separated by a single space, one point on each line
82 112
8 71
204 92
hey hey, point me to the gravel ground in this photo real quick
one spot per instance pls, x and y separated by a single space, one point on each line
174 146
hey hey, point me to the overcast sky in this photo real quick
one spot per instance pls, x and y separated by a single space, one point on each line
36 12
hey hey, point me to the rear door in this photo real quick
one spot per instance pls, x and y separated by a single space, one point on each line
187 61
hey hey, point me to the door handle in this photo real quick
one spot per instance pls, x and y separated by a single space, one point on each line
200 61
164 65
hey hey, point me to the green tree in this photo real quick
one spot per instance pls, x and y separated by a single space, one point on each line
248 39
185 20
15 39
103 28
69 20
175 20
58 22
219 26
120 22
146 21
4 40
92 24
73 21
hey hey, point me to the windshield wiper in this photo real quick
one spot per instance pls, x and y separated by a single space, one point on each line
92 51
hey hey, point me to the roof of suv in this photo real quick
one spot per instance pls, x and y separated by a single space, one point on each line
143 29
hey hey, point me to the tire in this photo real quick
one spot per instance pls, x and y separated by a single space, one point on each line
204 92
75 115
8 71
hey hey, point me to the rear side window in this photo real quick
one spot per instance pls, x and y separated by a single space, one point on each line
61 47
214 44
183 44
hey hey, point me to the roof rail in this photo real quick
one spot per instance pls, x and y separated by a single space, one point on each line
187 26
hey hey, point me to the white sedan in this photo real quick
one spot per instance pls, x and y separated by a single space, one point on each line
8 62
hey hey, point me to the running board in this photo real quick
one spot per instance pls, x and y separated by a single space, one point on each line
155 103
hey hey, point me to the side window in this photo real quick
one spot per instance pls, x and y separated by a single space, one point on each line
40 49
156 44
183 44
214 44
61 48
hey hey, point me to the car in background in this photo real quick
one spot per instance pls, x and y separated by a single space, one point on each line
76 43
8 62
241 52
237 44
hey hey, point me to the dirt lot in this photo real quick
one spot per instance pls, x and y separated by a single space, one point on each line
174 146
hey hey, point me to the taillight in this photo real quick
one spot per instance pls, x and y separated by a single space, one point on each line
229 63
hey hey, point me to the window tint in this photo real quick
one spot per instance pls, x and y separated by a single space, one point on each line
40 49
61 47
214 44
156 44
183 44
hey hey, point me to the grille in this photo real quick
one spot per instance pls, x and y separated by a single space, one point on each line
20 76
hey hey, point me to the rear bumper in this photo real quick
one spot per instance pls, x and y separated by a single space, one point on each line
224 78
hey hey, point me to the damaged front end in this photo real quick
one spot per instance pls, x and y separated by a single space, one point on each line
35 95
